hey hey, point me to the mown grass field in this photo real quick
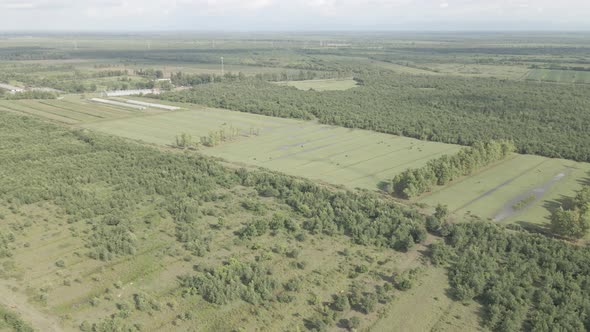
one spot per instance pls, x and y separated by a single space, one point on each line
492 192
353 158
559 76
322 85
69 110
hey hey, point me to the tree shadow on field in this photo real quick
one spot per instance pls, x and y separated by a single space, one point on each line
544 229
563 201
585 181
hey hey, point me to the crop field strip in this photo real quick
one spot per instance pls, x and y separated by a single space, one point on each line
322 84
66 111
559 76
19 108
102 111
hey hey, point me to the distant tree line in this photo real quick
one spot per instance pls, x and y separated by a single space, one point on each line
439 172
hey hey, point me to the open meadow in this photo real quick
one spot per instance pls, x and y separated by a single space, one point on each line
495 192
322 85
559 76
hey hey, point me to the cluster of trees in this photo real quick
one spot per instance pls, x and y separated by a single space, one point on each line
224 134
548 120
30 95
441 171
251 282
150 73
572 220
524 281
184 79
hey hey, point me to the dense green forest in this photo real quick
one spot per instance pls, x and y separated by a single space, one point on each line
524 281
544 119
439 172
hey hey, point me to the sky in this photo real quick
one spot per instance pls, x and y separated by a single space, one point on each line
293 15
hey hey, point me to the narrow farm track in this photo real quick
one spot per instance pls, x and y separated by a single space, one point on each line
19 304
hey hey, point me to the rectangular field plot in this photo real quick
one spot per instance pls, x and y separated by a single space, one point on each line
495 192
559 76
354 158
68 110
322 85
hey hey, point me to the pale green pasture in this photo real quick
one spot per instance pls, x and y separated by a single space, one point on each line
322 85
427 307
559 76
487 192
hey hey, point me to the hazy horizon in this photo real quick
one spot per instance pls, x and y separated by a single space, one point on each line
293 16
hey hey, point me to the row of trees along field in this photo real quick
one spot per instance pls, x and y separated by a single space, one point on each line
545 119
525 282
439 172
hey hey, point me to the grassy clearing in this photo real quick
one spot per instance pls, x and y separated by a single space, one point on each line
322 85
427 307
479 70
486 193
559 76
354 158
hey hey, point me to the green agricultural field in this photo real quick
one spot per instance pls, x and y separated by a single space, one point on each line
354 158
69 110
493 192
559 76
322 85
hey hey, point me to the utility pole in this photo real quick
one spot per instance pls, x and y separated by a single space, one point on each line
222 72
